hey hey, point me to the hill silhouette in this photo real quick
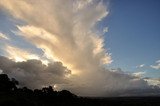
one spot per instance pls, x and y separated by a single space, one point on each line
11 95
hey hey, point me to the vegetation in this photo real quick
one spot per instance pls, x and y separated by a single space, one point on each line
10 95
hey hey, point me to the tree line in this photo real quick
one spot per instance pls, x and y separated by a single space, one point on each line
11 95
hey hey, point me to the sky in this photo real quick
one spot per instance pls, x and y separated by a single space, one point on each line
92 47
134 34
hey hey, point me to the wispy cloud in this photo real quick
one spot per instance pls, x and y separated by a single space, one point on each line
19 54
157 65
3 36
140 66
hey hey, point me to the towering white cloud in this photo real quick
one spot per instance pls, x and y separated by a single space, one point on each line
65 31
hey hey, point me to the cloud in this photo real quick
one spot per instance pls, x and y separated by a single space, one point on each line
19 54
66 32
105 29
66 35
157 66
153 81
33 74
140 66
139 74
1 71
3 36
158 61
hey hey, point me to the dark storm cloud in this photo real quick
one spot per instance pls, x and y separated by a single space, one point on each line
34 74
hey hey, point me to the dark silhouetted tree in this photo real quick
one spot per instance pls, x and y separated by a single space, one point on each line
6 84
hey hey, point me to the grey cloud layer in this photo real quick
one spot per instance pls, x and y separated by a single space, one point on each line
33 73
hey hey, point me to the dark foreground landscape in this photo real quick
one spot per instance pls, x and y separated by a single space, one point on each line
10 95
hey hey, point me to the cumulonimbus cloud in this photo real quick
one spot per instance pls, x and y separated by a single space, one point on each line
65 31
